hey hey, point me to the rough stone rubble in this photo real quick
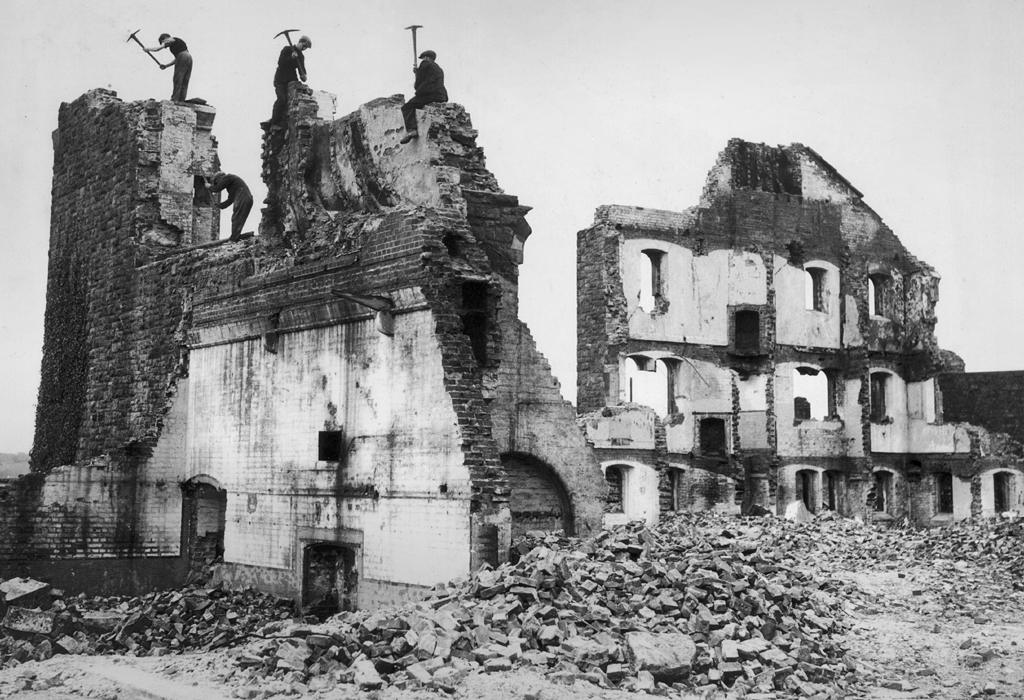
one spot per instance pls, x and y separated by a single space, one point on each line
697 603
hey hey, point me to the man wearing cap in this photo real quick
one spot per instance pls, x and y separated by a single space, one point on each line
291 66
429 88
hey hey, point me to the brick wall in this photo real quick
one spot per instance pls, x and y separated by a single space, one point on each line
990 399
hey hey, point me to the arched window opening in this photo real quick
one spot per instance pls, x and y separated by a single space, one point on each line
807 488
652 382
204 510
814 288
879 389
537 498
944 493
1002 491
651 288
615 477
879 285
883 491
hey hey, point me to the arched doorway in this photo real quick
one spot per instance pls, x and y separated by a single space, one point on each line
537 498
204 505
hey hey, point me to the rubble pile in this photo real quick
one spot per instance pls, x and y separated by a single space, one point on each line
699 602
996 545
39 622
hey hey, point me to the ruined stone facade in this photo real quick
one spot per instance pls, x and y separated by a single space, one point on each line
773 344
344 406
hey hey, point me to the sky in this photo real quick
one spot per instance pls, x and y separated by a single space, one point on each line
919 104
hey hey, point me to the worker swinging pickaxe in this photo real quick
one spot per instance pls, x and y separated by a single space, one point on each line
132 36
287 35
415 54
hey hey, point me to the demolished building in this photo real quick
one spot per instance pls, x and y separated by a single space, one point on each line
774 345
345 406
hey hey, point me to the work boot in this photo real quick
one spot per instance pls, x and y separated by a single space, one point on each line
409 137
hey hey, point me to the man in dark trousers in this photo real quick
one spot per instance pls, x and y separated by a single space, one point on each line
429 88
239 195
291 66
182 63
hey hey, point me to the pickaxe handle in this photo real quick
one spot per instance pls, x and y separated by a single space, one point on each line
415 54
155 60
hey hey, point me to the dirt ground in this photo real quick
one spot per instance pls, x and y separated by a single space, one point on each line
940 629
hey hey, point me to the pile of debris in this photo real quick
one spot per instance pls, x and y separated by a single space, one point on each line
698 602
38 621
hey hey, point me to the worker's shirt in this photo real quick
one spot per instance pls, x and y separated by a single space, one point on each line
430 81
235 187
177 46
290 65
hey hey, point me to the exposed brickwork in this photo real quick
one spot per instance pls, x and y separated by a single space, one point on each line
990 399
379 304
789 208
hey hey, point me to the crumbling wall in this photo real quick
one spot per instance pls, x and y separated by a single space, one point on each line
989 399
789 208
116 203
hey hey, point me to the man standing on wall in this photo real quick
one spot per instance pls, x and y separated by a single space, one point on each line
239 195
291 66
182 63
429 87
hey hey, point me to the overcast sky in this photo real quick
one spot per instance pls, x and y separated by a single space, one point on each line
919 104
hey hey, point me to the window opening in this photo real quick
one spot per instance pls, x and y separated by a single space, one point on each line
614 477
451 244
747 332
651 290
883 491
812 394
879 412
673 489
712 437
944 492
832 490
652 383
805 488
814 288
329 446
1001 483
878 286
474 318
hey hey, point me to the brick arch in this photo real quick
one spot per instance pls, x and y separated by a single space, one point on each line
538 500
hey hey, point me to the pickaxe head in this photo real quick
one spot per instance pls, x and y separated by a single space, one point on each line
132 35
414 27
287 35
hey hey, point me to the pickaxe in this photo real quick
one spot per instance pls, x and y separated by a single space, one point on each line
415 55
132 36
287 35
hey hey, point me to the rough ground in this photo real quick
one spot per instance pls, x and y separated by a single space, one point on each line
936 613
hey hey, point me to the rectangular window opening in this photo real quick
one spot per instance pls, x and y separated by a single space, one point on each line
329 446
712 437
944 492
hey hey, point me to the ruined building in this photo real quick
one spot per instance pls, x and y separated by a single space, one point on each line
346 409
775 344
345 406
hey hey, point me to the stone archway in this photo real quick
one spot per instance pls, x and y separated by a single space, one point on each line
537 498
204 509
